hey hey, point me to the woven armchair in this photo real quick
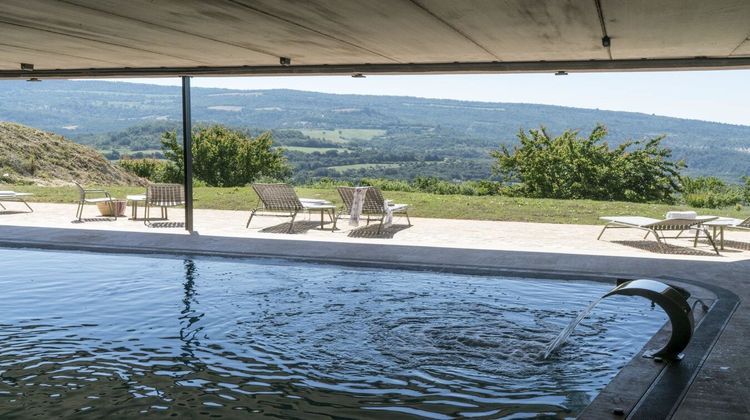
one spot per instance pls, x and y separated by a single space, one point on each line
163 196
91 196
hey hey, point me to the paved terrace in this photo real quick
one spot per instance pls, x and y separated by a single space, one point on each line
721 387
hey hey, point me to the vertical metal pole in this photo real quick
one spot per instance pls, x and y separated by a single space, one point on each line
187 152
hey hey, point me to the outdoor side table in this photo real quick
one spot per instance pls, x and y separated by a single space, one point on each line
323 206
134 200
718 225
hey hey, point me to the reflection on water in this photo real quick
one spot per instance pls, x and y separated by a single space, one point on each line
110 335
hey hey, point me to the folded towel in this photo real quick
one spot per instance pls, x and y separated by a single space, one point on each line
682 215
358 201
388 207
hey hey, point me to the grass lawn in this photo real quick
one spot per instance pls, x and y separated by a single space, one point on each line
343 135
305 149
422 204
342 168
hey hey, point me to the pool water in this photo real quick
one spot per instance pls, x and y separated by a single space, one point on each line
97 335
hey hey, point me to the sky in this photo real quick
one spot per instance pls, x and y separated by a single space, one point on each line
722 96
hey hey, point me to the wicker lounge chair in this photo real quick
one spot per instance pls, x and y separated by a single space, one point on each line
658 227
15 196
281 198
373 207
163 196
85 197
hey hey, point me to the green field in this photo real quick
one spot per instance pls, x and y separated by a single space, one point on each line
342 168
304 149
422 204
343 135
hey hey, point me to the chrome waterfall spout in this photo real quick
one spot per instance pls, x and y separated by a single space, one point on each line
672 299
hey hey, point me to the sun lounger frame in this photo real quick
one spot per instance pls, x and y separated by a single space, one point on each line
373 208
281 200
658 227
15 197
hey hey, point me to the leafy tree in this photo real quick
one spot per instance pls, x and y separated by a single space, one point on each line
574 167
223 157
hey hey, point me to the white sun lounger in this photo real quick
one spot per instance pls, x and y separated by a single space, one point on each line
15 196
657 227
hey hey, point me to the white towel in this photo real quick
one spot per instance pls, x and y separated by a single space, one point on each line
682 215
358 201
388 214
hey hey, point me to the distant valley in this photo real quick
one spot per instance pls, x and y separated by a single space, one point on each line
350 136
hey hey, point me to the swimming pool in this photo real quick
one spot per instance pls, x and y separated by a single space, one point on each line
119 335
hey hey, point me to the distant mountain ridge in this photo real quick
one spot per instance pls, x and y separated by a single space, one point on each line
74 108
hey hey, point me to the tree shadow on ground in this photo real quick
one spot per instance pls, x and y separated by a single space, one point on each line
301 226
652 246
371 231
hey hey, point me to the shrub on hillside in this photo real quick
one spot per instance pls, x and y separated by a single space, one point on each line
223 157
387 184
573 167
711 192
151 169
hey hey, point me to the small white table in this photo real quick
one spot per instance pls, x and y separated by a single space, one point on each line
323 206
720 224
134 200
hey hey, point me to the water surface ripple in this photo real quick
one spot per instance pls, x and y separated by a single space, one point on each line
112 335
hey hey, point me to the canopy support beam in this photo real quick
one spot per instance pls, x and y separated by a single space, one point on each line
653 64
187 152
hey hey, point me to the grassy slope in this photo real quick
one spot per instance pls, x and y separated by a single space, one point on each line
423 205
305 149
343 135
29 155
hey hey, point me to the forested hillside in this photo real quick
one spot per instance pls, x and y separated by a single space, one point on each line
352 135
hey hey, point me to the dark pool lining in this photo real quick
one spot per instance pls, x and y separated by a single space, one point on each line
658 400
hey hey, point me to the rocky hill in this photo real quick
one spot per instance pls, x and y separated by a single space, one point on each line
28 155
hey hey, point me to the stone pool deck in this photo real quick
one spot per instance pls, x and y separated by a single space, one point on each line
721 388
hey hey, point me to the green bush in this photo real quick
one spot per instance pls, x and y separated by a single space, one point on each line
746 189
387 184
223 157
152 169
573 167
328 183
711 192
